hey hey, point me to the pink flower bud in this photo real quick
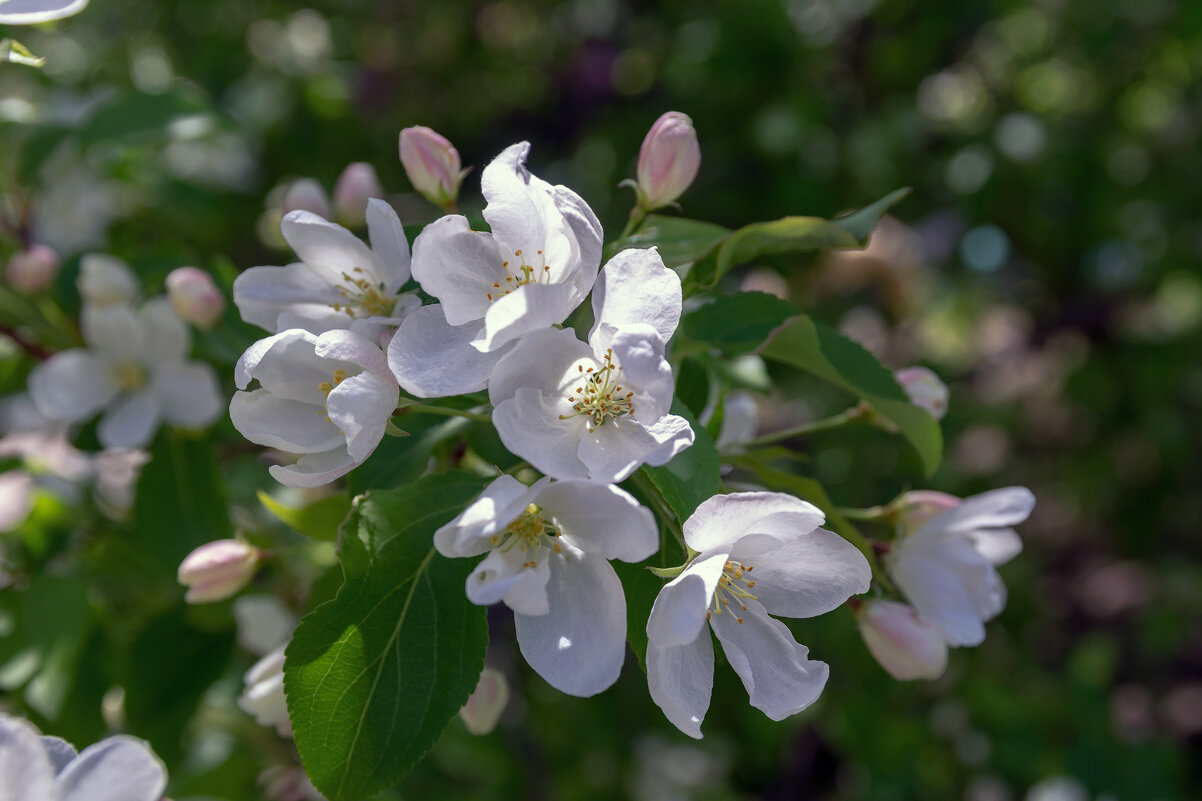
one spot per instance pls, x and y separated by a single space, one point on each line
668 160
195 297
33 270
357 184
905 645
924 389
915 509
483 709
432 164
215 571
305 194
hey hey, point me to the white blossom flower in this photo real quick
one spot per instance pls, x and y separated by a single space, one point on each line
263 695
924 389
263 622
548 548
486 703
598 410
105 280
133 369
37 768
759 553
536 266
902 641
338 283
327 398
945 567
32 12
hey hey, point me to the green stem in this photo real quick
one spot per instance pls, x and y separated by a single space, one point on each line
652 493
637 215
872 513
825 424
445 411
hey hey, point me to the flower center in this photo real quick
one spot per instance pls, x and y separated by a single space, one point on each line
531 532
525 274
362 298
733 586
128 376
599 397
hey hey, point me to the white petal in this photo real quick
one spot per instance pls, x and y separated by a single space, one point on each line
164 335
639 351
188 393
59 751
360 407
118 768
680 679
458 266
314 469
432 359
468 534
721 520
636 288
502 577
354 351
600 519
586 229
678 614
267 419
529 424
264 295
32 12
542 360
16 499
114 332
998 545
130 421
389 244
327 248
519 207
616 448
580 644
287 364
71 385
526 309
808 574
25 768
775 669
949 584
995 509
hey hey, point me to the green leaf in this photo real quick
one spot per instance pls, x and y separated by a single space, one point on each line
319 520
737 323
373 676
397 460
55 612
693 476
827 354
681 241
134 115
861 223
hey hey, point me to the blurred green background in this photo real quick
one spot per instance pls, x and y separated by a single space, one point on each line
1046 266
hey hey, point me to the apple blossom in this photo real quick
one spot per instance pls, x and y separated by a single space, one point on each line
548 547
217 570
306 194
486 703
133 369
339 281
758 554
905 644
105 281
16 499
33 12
32 270
327 398
263 695
668 160
194 296
598 410
357 184
432 164
38 768
945 567
263 622
537 265
924 389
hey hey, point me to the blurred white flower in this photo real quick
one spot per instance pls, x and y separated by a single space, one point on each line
902 642
357 184
263 622
106 281
758 553
306 194
134 370
548 548
601 409
263 695
486 703
924 389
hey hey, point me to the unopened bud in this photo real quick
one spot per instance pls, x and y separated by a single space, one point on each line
486 703
263 695
924 389
913 510
305 194
357 184
668 160
195 297
432 164
33 270
106 281
215 571
905 644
